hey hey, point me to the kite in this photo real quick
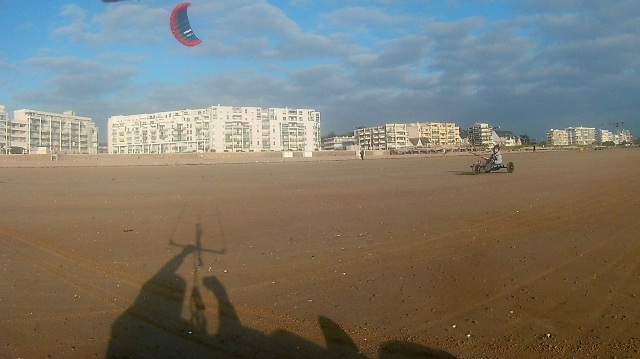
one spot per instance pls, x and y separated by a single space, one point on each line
180 26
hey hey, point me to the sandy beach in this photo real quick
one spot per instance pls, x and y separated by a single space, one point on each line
390 257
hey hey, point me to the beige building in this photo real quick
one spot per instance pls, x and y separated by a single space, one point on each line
216 129
557 137
5 131
58 132
437 133
389 136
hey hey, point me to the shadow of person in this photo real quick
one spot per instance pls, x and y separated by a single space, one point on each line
153 327
245 342
339 343
249 343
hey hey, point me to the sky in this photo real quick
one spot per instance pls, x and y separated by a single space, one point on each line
524 66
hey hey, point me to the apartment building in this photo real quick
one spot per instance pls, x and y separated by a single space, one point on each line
581 135
624 136
389 136
437 133
605 136
396 135
5 131
557 137
370 138
216 129
65 132
482 135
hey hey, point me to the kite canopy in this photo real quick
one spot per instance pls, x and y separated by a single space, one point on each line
180 26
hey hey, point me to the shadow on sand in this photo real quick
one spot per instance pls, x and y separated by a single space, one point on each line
153 327
462 173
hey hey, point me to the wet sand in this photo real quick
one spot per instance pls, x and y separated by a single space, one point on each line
386 257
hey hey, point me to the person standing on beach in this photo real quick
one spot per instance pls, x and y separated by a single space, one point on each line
362 154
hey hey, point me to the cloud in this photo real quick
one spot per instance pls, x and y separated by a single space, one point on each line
411 49
4 66
363 17
115 57
75 80
124 23
304 46
258 19
301 3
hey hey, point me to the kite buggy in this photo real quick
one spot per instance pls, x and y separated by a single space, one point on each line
492 163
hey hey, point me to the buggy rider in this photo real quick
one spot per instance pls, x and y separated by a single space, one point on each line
494 159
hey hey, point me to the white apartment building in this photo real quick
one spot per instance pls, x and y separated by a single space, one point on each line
482 134
60 133
216 129
623 136
557 137
605 136
581 135
438 133
389 136
5 131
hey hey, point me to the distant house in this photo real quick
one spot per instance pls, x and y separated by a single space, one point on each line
420 142
338 143
507 138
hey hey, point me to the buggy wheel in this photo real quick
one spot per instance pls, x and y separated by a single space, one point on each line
510 167
476 169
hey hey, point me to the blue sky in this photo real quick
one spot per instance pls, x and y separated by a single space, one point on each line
525 66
